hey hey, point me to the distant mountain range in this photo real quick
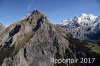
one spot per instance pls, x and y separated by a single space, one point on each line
84 27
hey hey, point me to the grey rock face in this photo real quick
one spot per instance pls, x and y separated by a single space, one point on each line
33 41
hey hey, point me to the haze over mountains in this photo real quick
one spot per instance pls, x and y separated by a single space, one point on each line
33 41
85 26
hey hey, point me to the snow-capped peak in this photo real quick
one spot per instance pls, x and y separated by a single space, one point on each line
65 22
86 18
84 15
82 20
90 15
83 27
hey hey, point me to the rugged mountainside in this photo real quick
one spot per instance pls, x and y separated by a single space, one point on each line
85 26
33 41
1 28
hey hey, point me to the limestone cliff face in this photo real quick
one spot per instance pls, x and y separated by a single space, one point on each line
33 41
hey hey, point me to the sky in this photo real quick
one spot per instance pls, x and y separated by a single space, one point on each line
56 10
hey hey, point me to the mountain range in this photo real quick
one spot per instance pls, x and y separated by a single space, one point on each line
84 27
33 41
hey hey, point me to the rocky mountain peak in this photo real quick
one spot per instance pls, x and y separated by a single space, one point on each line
36 14
33 41
36 11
